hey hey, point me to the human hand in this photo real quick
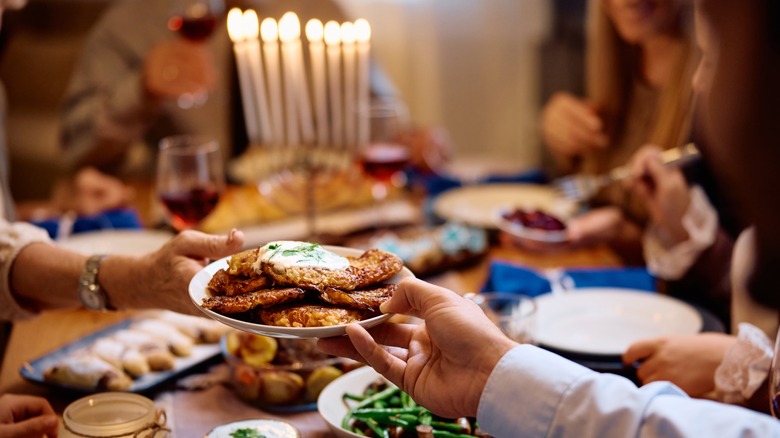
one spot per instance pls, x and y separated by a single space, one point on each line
178 67
688 361
572 126
23 416
444 362
663 190
596 226
161 279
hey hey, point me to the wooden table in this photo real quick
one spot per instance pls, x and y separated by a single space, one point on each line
49 331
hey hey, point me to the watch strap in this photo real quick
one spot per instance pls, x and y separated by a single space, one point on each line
91 293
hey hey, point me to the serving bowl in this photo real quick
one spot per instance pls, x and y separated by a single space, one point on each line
284 375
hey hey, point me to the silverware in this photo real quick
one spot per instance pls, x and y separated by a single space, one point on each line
581 187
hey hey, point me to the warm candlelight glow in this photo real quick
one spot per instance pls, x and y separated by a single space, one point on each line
348 32
314 30
289 27
332 33
362 30
235 24
269 30
251 24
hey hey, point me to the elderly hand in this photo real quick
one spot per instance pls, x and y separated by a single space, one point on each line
177 67
443 363
23 416
663 189
161 279
572 126
688 361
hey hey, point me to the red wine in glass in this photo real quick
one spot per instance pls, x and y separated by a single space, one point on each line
383 160
193 28
189 208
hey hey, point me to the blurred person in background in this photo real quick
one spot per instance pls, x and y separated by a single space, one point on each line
524 391
640 57
124 93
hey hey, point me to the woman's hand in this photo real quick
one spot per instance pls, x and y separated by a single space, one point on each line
23 416
663 190
688 361
444 362
572 126
161 279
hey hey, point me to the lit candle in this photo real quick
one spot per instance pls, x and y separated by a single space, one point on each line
286 35
348 50
269 31
333 46
251 29
235 24
363 37
314 33
302 100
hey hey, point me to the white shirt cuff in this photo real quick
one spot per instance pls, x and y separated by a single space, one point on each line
745 365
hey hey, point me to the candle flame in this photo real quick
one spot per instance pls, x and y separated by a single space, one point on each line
289 27
348 32
269 30
332 33
235 25
314 30
362 30
251 24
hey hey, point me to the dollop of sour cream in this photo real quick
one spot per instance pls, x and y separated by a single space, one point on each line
283 254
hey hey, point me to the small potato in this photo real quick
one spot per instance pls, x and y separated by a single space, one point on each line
319 379
281 388
246 382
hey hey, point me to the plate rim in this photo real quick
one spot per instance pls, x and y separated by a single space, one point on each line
488 222
358 379
652 295
208 271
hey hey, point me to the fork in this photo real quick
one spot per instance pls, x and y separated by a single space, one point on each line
582 187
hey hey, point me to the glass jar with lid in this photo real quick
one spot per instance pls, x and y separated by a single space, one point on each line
113 414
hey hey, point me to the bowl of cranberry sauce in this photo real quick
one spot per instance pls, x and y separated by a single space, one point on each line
533 224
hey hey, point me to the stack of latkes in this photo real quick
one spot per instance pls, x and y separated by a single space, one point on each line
257 288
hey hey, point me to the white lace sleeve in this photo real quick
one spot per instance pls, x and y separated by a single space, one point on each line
701 223
745 365
13 237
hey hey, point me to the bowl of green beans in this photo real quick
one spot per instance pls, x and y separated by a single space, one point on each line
361 403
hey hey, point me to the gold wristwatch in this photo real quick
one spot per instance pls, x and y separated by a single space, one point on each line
92 296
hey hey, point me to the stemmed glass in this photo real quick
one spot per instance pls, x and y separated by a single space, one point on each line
384 157
190 178
195 21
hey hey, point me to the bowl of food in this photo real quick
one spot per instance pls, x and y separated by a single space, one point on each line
532 224
285 375
347 405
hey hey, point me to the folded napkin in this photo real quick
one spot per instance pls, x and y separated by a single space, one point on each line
509 277
436 184
108 220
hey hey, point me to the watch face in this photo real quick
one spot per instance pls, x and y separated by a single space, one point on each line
91 299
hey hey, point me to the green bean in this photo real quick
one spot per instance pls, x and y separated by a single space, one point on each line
386 412
447 434
381 395
374 426
355 397
452 427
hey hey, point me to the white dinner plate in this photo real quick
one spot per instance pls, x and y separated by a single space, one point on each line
123 242
330 403
605 321
198 291
518 230
476 205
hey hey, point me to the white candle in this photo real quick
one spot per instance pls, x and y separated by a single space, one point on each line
235 24
314 33
286 35
302 98
270 34
363 37
348 50
251 27
333 45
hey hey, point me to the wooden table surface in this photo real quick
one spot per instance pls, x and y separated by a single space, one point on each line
51 330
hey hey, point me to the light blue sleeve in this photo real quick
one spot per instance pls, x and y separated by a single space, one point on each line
534 393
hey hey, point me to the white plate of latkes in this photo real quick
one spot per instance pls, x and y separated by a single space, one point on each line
199 290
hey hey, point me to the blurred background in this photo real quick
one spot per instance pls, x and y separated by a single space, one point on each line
480 68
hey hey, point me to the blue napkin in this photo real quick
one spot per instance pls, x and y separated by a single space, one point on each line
509 277
436 184
108 220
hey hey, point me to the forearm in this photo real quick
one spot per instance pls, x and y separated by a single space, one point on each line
46 277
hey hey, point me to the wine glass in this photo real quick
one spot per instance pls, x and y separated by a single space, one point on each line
195 21
190 178
384 158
